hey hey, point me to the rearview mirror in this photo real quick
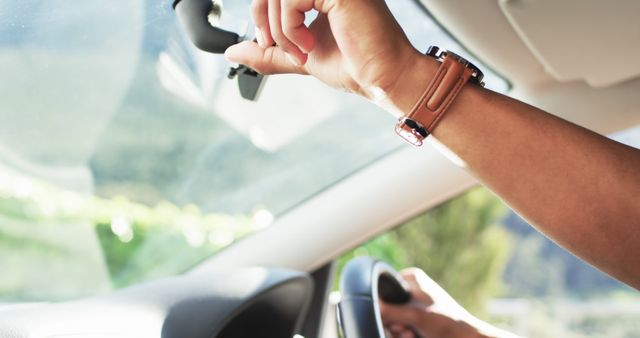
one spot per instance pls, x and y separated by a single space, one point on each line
199 19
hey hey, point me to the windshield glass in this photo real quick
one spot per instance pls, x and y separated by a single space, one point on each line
126 154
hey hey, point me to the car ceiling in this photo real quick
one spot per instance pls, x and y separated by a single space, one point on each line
577 59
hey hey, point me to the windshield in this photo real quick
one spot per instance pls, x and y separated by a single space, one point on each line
126 154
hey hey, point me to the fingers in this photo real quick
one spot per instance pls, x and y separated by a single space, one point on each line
418 292
292 51
400 331
293 27
282 22
412 273
271 60
429 288
424 320
259 10
405 314
401 320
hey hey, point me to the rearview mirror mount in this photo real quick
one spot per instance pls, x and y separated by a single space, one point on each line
199 17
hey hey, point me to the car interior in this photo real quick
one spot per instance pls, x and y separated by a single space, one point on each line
149 188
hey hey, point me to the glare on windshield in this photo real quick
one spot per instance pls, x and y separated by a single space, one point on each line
126 154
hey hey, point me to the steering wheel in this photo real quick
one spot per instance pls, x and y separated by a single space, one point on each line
363 283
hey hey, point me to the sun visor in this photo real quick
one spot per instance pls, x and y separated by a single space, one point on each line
590 40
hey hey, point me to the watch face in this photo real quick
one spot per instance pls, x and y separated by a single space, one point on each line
441 54
411 131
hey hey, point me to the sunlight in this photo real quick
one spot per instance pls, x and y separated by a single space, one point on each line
262 219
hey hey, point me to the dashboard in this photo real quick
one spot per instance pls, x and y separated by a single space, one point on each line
244 302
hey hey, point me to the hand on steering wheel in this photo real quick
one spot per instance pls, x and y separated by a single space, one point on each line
377 300
430 313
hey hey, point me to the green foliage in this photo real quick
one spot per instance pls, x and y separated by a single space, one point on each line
58 244
460 244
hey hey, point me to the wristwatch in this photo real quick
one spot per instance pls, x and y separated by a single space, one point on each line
454 72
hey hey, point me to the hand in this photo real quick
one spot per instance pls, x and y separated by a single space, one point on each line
353 45
432 313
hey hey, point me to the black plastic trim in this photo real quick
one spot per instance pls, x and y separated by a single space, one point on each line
323 282
194 17
252 302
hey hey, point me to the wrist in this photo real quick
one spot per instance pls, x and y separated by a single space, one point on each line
411 82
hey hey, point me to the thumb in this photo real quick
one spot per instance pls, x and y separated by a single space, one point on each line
271 60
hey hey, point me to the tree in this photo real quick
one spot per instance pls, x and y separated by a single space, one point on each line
460 244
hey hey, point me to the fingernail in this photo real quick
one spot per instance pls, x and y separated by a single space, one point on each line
406 334
260 38
292 59
228 54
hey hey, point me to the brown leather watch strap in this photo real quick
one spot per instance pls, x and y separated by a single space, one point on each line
453 73
440 93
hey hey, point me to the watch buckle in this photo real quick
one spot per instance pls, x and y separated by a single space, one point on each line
411 131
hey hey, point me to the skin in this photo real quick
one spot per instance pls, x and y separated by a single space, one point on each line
577 187
433 313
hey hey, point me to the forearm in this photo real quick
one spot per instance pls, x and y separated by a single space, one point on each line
579 188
